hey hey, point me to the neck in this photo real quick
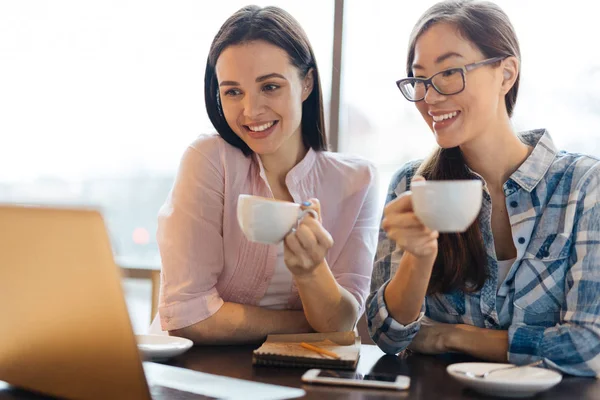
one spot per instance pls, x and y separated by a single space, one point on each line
277 165
496 154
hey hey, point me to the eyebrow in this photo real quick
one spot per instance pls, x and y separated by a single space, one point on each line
261 78
440 59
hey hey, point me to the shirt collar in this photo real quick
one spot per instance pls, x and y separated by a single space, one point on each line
531 172
297 173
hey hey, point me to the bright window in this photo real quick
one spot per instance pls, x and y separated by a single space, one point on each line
560 79
98 100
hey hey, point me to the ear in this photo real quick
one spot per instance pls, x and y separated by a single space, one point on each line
308 84
510 72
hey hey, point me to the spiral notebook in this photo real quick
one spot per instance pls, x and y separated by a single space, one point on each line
286 351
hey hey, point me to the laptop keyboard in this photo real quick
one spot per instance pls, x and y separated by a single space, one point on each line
163 393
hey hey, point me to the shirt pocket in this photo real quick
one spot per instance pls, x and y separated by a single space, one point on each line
540 279
548 248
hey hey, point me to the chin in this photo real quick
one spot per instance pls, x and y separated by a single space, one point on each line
447 143
262 149
449 139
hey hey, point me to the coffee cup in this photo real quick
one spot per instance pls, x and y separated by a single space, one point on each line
266 220
447 206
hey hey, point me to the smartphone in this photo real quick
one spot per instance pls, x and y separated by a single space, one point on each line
346 378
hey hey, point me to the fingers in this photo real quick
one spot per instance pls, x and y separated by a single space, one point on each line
294 254
405 220
318 231
312 204
308 244
402 226
401 204
310 227
420 245
411 238
310 241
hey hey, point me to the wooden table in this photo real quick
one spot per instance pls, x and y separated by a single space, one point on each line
429 379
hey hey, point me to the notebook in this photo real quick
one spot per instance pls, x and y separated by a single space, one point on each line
285 350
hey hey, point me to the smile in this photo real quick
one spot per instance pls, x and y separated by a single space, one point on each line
260 128
440 118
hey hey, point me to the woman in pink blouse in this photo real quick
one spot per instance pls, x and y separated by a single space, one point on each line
263 96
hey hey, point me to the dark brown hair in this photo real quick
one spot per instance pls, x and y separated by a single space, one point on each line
277 27
461 262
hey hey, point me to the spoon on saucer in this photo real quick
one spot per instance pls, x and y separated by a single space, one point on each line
487 373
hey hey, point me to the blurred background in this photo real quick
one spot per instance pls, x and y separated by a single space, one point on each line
99 99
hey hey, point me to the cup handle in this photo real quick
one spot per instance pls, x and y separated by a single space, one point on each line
313 213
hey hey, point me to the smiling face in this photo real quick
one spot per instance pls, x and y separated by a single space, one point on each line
261 95
460 118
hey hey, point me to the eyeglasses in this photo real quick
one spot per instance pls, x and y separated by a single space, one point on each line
448 82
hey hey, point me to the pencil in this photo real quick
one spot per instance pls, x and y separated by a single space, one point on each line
320 350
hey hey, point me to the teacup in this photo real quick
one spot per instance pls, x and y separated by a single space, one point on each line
447 206
268 221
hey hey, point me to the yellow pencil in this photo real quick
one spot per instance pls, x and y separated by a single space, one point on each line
320 350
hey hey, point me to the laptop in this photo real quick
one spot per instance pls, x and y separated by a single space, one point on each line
65 328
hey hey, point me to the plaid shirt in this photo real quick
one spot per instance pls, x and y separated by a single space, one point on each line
550 300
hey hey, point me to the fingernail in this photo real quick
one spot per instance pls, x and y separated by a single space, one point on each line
307 204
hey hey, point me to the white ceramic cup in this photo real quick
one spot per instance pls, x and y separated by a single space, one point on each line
447 206
268 221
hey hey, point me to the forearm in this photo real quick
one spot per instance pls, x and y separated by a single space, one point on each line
569 347
487 344
406 291
328 306
238 323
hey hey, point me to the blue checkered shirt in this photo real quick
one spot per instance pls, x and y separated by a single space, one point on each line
550 300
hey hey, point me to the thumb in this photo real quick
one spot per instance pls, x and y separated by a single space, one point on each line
418 178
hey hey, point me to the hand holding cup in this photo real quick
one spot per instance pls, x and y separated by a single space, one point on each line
307 245
404 227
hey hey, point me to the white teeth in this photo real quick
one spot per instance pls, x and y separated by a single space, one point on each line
438 118
261 128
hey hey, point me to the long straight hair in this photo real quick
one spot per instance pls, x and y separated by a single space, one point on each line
461 263
277 27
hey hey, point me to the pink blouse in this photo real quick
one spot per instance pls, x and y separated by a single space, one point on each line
206 259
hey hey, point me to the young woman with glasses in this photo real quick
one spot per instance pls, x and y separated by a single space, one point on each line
263 96
522 284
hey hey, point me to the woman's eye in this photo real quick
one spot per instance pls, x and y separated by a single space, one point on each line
450 72
232 92
270 87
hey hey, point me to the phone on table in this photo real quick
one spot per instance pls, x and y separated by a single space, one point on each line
346 378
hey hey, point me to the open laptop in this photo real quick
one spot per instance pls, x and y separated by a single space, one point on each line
64 325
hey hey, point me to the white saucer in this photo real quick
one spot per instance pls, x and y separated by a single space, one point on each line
161 347
516 382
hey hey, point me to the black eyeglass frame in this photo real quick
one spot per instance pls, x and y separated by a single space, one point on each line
429 81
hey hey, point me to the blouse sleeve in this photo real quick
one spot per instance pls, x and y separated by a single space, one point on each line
190 239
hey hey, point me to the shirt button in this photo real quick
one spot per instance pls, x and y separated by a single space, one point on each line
521 240
514 204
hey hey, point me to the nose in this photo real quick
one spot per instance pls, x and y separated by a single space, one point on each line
432 96
253 105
